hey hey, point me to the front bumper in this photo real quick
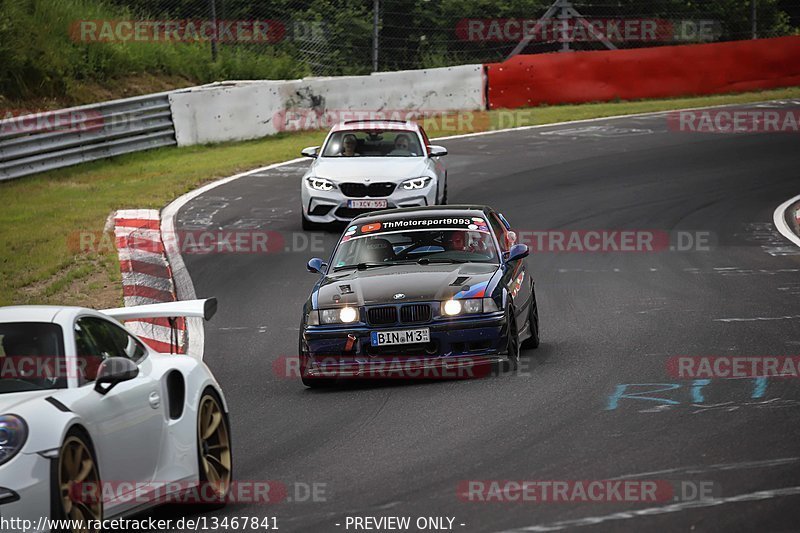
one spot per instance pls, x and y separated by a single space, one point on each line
26 480
456 347
325 207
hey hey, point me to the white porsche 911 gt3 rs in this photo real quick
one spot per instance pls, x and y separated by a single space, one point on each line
367 165
84 403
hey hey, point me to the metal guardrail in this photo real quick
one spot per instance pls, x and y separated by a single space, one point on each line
56 139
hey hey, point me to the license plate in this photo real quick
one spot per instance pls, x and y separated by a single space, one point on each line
405 336
368 204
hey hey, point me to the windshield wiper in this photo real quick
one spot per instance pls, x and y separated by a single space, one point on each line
426 260
364 266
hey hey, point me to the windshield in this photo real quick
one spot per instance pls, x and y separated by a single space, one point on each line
374 143
421 246
31 357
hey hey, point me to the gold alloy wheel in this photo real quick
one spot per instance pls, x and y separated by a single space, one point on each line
215 447
78 475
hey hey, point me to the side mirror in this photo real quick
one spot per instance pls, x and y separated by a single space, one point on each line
518 251
316 265
437 151
311 152
114 371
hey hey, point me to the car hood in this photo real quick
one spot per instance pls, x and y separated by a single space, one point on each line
372 168
416 282
11 402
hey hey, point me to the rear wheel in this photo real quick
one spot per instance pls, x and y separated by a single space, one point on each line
532 342
79 490
214 450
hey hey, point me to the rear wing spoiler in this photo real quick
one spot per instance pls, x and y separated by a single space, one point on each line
186 308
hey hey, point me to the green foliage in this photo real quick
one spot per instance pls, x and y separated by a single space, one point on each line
39 57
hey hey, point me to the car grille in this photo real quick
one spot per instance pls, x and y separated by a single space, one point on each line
360 190
415 313
382 315
409 314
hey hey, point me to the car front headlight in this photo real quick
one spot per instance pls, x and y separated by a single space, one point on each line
320 184
341 315
13 434
416 183
469 306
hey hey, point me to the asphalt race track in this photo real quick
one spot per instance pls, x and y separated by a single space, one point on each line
608 319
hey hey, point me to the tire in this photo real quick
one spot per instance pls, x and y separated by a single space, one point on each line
512 340
77 464
532 342
444 194
214 454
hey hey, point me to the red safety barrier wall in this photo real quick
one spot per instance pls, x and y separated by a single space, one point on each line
577 77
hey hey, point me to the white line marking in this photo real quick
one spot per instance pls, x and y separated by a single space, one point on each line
758 318
779 218
712 468
652 511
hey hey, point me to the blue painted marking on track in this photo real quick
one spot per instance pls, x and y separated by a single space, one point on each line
621 392
759 387
697 390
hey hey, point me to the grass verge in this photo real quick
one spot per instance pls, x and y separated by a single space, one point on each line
43 213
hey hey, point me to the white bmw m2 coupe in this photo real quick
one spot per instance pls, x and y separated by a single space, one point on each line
367 165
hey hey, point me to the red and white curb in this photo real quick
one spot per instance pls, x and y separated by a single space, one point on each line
146 275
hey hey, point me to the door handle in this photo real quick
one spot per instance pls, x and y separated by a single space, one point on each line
155 400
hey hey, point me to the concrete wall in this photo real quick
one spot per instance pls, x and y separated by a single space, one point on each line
233 111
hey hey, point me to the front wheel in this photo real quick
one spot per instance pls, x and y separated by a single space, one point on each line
532 342
214 450
79 490
512 339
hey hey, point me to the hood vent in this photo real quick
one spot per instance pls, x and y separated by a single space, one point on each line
459 281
